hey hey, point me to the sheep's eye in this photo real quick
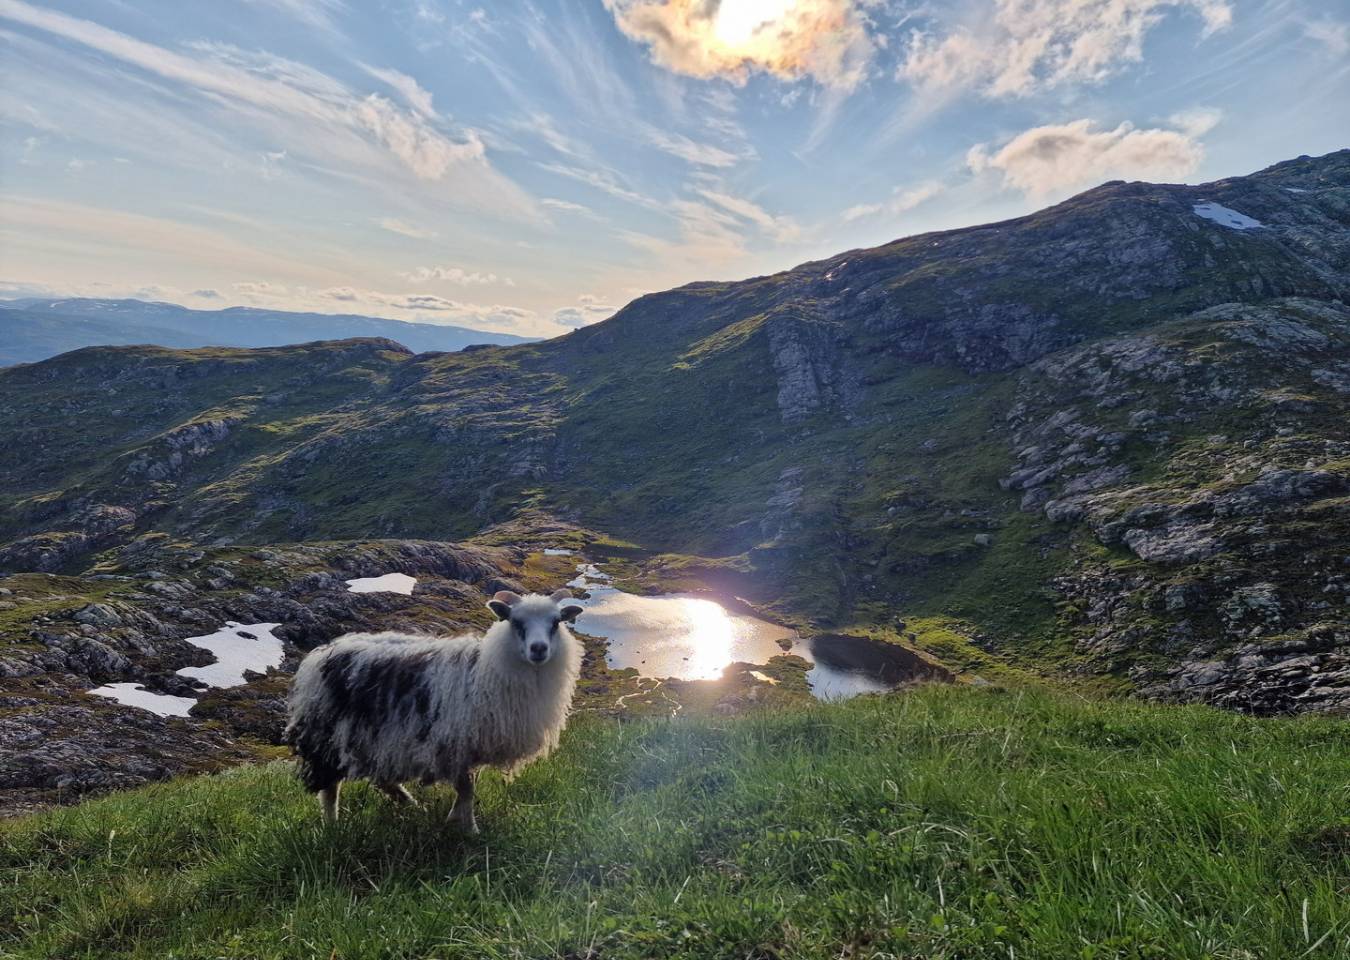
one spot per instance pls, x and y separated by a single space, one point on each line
556 621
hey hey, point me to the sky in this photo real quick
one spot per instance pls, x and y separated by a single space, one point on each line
529 167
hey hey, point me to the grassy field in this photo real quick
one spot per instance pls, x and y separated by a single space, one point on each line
948 822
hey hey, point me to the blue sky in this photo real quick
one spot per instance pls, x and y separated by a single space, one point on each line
530 167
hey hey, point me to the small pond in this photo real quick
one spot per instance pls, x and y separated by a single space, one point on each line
693 638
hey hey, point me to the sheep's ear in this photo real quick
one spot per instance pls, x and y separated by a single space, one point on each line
501 602
560 595
571 611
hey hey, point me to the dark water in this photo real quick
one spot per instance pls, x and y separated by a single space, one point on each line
693 638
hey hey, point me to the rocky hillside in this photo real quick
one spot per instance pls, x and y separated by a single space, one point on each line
1106 441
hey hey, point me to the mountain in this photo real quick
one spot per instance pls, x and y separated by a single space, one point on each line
1107 443
35 329
27 336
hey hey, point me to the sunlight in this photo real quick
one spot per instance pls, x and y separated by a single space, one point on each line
738 21
711 633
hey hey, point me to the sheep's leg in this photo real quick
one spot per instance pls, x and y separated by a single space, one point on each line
462 813
328 801
399 794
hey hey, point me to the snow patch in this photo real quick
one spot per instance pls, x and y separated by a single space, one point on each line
135 695
1225 217
557 552
237 647
389 583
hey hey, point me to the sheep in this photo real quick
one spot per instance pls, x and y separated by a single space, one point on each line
392 707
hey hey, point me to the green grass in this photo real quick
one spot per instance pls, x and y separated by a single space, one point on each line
944 823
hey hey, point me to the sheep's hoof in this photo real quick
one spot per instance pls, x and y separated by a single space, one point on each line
464 824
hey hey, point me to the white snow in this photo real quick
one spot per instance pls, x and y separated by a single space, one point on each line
557 552
389 583
1225 217
237 647
134 695
1295 190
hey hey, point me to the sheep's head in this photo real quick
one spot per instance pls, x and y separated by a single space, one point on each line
535 620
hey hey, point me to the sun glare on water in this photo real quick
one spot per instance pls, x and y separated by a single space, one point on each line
711 631
738 21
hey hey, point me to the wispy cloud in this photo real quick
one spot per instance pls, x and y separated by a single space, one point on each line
698 154
588 309
605 181
316 13
89 231
1028 45
1060 158
567 206
409 89
1331 33
404 229
903 200
779 228
318 116
456 275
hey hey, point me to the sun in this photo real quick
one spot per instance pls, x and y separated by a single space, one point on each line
738 21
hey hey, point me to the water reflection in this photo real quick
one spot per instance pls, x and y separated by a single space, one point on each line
692 638
675 636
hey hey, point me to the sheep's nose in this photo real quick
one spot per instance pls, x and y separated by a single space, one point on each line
538 651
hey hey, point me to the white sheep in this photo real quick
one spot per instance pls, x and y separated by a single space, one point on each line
392 707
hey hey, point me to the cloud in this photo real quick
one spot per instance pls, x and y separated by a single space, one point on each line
456 275
826 40
207 294
271 163
589 309
1031 44
698 154
902 201
403 229
1333 34
30 148
316 13
1197 121
319 115
567 206
94 234
1060 158
779 228
254 289
603 180
155 293
428 308
408 88
425 151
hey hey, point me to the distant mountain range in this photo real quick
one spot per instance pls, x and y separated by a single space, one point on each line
34 329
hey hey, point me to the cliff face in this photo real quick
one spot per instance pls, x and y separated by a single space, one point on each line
1107 439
